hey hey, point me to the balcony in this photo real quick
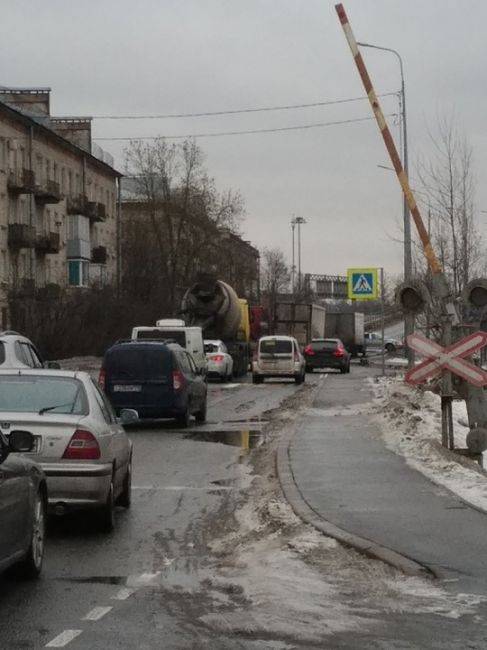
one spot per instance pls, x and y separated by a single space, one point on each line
47 243
48 192
21 181
51 290
24 288
99 255
21 235
76 204
95 211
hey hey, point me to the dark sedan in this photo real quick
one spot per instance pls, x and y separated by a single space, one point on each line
327 353
23 501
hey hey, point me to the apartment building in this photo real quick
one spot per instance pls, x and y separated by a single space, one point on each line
58 201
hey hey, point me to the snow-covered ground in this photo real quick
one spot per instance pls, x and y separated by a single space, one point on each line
410 421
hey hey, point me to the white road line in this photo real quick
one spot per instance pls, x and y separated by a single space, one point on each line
63 639
96 613
123 594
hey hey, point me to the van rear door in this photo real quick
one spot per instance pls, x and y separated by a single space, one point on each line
276 354
139 378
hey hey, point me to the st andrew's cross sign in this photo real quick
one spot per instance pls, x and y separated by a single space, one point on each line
450 358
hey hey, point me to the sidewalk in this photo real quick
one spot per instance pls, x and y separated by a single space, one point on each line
342 471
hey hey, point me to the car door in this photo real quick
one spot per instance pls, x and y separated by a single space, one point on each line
116 440
14 505
198 386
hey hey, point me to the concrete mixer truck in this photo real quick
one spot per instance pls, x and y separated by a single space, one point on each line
214 306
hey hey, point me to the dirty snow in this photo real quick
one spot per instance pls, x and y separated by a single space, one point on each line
295 583
410 421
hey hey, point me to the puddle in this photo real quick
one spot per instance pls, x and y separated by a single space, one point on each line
248 439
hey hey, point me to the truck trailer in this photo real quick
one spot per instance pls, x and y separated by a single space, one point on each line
349 327
304 321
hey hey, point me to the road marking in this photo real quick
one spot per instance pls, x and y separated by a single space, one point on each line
63 639
144 579
96 613
123 594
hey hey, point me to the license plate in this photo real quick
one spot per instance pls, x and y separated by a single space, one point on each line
119 388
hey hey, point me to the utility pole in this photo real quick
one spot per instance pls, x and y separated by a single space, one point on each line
299 221
293 266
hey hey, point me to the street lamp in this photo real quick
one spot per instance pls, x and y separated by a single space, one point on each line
299 221
293 265
409 319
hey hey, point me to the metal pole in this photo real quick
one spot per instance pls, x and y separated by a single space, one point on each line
293 267
299 255
382 319
408 262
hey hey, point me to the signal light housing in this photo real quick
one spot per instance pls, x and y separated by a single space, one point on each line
475 293
413 296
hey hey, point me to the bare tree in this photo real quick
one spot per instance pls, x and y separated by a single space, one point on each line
185 211
447 195
275 277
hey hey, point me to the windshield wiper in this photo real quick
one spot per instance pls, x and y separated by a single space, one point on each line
51 408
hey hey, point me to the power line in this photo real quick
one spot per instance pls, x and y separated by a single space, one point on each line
234 112
253 131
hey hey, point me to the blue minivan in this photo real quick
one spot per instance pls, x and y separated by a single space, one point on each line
157 379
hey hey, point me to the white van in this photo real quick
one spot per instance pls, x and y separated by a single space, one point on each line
278 356
190 338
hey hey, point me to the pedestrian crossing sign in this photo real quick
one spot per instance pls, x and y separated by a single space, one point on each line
362 284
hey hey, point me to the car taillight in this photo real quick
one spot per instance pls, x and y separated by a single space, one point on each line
177 379
217 357
339 351
82 446
296 355
308 350
101 379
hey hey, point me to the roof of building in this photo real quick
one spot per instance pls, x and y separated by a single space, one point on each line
40 124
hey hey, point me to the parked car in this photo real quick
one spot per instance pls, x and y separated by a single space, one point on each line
220 363
159 380
373 341
79 443
23 504
327 353
278 356
17 351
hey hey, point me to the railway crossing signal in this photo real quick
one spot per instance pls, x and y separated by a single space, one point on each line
449 358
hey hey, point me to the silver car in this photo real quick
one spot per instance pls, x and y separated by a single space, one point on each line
79 443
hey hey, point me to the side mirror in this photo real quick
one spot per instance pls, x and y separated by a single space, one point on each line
52 365
21 441
128 416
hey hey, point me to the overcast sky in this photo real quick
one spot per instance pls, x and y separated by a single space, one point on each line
120 57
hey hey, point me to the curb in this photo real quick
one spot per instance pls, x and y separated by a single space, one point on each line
301 508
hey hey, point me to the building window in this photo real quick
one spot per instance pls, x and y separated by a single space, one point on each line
78 273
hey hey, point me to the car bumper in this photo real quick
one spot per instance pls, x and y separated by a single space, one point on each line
74 486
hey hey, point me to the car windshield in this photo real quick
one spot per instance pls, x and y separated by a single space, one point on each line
211 347
330 344
276 346
36 394
2 352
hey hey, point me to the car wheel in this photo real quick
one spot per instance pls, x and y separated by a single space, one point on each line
200 416
184 419
343 369
107 511
298 379
125 499
257 379
348 367
390 347
308 369
31 565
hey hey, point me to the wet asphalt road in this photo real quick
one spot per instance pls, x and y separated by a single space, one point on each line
96 589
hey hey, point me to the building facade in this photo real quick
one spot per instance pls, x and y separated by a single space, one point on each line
58 202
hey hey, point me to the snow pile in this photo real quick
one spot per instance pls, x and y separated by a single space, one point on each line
285 580
410 421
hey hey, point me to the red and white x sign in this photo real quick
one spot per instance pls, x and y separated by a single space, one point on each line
450 357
